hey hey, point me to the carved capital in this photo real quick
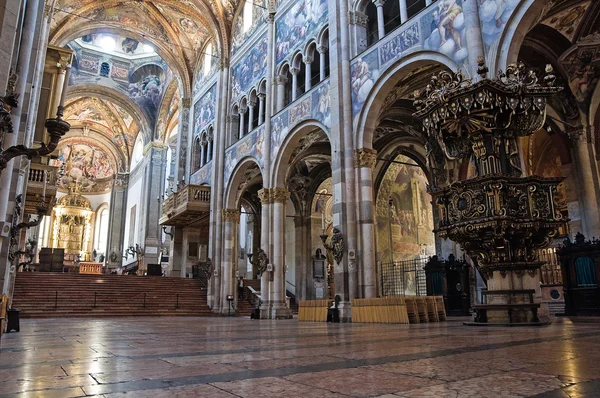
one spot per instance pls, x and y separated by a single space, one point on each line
231 215
294 71
280 195
265 196
261 96
252 104
322 49
365 157
186 102
358 18
582 134
281 79
308 59
379 3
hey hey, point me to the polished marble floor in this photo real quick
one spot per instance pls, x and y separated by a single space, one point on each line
236 357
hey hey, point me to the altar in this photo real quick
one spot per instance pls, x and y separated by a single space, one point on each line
90 268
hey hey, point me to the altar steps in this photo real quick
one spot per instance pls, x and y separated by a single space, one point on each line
49 295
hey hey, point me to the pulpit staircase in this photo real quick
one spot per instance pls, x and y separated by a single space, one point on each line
49 295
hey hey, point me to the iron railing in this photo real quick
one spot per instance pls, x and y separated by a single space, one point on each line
403 278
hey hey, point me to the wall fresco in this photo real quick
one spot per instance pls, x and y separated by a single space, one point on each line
251 145
493 16
364 72
204 110
300 22
249 69
240 37
202 176
443 30
87 168
315 105
394 48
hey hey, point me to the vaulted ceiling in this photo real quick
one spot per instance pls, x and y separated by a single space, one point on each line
177 29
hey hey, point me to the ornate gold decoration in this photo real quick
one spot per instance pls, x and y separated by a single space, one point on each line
365 157
280 195
265 196
232 215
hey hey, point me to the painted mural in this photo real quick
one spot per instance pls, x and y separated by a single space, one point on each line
409 218
146 88
364 72
582 65
394 48
204 110
243 30
249 69
202 176
567 21
251 145
493 16
300 22
87 169
443 30
315 105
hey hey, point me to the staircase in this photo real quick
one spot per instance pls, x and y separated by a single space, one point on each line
49 295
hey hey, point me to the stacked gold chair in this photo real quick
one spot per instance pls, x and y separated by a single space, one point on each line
422 309
441 308
412 310
432 311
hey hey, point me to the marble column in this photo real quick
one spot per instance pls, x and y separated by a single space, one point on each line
586 169
261 109
404 11
251 105
154 187
280 82
116 220
303 263
322 62
242 122
202 154
380 18
358 22
230 218
266 202
307 76
280 196
294 72
183 139
473 36
364 161
209 146
234 128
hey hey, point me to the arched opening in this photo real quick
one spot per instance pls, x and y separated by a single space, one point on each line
372 33
196 154
391 12
101 233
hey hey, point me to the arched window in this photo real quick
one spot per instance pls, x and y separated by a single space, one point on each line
372 30
197 153
208 59
101 231
138 151
247 16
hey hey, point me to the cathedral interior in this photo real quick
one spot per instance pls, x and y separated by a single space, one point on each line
223 198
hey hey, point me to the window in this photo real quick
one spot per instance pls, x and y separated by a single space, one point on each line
208 59
247 16
101 231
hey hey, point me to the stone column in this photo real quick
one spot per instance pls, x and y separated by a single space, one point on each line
307 76
404 12
202 153
154 187
294 72
230 218
182 139
234 128
380 18
261 109
473 36
365 160
280 81
322 61
251 105
209 153
302 272
116 223
265 294
242 122
359 21
280 197
585 167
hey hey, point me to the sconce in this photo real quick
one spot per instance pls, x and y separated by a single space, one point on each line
170 233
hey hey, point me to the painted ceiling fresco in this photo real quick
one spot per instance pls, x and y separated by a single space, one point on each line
86 167
567 20
105 118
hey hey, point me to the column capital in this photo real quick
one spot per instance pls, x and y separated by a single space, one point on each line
280 79
186 102
265 196
294 71
261 96
242 111
232 215
365 157
251 104
322 49
280 195
358 18
308 59
581 134
379 3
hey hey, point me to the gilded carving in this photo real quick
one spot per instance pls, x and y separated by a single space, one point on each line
365 157
231 215
265 196
280 195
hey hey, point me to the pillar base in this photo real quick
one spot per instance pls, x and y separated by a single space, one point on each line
280 311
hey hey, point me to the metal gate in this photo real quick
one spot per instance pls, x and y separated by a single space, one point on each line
403 278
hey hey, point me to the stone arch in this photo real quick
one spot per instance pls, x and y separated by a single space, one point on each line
366 121
112 95
230 199
288 146
523 17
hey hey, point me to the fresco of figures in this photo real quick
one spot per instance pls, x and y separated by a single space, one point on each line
204 110
302 21
251 145
257 18
444 30
409 218
249 69
87 169
146 88
494 14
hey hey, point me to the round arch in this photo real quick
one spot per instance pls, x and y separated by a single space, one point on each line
368 116
284 153
230 200
120 99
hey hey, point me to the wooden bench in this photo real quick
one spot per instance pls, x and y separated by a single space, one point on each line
482 309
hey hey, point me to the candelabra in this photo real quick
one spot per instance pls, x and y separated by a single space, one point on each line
499 217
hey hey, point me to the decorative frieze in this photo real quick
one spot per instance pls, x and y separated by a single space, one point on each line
358 18
365 157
